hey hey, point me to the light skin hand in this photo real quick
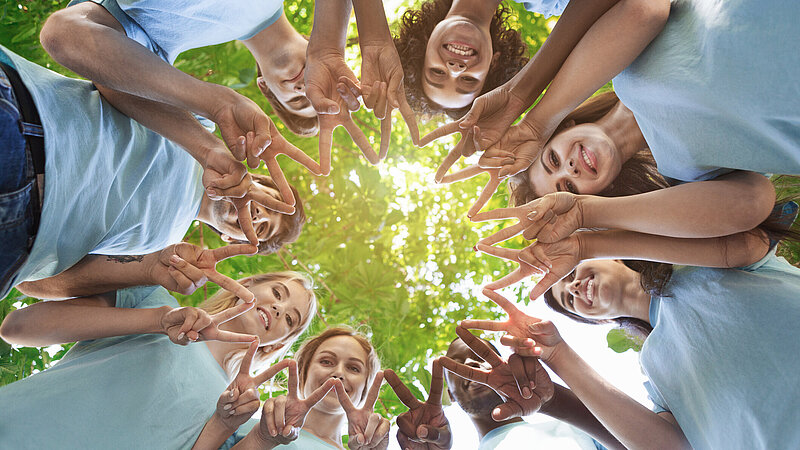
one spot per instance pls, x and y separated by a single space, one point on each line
488 190
185 267
282 417
240 400
190 324
326 76
508 379
424 426
524 141
524 270
367 429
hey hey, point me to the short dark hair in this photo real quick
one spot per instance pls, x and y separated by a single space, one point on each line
416 27
291 224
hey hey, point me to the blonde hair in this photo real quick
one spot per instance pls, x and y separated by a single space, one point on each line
267 354
305 354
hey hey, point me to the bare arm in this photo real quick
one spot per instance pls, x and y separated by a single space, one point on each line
591 43
566 407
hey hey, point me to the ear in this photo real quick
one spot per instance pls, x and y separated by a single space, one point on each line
568 124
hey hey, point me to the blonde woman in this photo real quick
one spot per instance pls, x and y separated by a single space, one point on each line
124 385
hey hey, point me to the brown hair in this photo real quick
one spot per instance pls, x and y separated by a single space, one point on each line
416 27
223 300
639 174
297 124
291 224
305 354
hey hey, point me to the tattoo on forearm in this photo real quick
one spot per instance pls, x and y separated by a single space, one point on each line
123 259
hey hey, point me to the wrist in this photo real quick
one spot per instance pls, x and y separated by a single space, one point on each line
560 355
157 320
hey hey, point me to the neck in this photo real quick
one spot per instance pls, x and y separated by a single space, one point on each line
262 45
478 11
621 127
325 426
638 301
485 424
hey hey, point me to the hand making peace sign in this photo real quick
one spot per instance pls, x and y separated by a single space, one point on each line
282 417
366 428
509 379
190 324
486 193
185 267
424 426
240 400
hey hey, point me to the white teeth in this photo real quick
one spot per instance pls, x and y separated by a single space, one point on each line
586 158
266 319
589 290
462 50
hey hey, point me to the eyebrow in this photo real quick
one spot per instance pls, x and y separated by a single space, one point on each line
563 301
546 169
436 85
284 289
299 316
352 358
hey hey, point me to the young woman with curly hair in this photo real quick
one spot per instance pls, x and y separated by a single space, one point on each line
454 51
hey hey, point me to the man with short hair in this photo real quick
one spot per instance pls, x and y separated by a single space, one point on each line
101 183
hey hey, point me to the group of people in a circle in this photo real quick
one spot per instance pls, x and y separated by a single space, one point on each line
649 206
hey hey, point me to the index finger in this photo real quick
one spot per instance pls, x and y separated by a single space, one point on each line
386 135
501 301
262 377
374 390
232 286
291 387
444 130
301 157
270 202
502 235
437 384
247 361
401 390
344 399
486 194
232 312
463 370
499 213
544 285
360 140
462 174
499 252
479 346
411 121
242 206
279 178
320 393
229 250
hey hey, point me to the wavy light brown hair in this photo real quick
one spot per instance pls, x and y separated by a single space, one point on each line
306 352
267 354
637 175
291 224
411 42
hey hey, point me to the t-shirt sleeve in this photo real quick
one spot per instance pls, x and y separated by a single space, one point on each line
546 8
145 297
659 405
132 29
766 260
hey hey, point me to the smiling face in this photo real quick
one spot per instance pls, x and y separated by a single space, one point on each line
581 159
457 61
266 222
282 309
474 398
283 76
596 289
340 357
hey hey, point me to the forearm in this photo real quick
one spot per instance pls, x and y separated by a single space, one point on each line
632 424
577 19
371 21
94 274
727 205
88 40
254 441
58 322
214 434
566 407
175 124
330 26
736 250
611 43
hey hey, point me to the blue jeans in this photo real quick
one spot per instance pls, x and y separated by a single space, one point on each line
17 178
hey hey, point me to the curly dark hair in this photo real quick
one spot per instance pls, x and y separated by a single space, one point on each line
291 224
416 27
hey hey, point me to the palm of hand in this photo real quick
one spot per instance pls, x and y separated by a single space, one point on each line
323 76
498 110
221 171
379 63
429 415
569 218
238 119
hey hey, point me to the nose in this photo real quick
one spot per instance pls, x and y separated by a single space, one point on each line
300 87
259 213
574 287
456 67
277 310
572 166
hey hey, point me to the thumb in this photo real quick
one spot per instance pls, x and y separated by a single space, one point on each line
321 103
472 116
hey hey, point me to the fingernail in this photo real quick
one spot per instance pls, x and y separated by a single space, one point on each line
210 191
181 335
231 395
231 412
533 385
331 110
174 259
273 433
474 248
532 214
423 432
526 392
228 406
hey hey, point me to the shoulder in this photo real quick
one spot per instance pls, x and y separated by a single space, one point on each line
145 297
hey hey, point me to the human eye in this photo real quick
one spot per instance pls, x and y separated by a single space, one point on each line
355 369
435 71
553 159
326 362
276 293
570 301
470 80
289 320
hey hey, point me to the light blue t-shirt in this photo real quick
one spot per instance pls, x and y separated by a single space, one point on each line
718 89
546 8
112 186
724 355
307 441
128 392
546 435
170 27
